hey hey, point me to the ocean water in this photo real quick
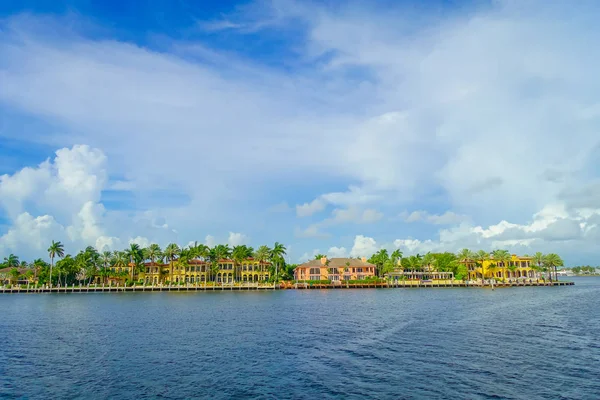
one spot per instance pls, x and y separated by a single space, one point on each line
513 343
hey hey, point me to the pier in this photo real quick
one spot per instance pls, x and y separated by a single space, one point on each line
259 287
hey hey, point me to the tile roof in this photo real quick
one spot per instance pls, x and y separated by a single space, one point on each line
337 263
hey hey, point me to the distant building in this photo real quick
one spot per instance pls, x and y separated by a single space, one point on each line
335 269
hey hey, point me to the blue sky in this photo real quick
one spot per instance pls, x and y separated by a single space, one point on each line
333 127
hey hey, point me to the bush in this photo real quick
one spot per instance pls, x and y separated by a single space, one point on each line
321 282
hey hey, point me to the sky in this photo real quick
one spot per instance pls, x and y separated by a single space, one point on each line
333 127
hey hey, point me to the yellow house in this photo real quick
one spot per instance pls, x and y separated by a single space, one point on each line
200 272
516 267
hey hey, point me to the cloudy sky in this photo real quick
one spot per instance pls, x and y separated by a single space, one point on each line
332 126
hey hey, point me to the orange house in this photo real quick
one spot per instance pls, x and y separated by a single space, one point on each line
334 269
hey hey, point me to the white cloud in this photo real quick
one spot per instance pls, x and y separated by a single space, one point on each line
364 246
308 209
236 239
337 252
108 243
210 241
455 116
447 218
140 241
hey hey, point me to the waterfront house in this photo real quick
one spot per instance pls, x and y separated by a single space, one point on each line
199 272
334 269
516 267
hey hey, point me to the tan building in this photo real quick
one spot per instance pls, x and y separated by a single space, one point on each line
334 269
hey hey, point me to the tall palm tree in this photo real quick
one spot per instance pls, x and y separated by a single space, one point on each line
218 253
120 261
551 261
501 258
151 253
183 261
105 258
239 254
319 256
277 253
481 257
134 253
56 249
262 254
538 262
171 251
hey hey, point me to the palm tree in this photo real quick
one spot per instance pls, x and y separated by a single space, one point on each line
262 254
11 261
277 253
538 261
183 261
239 254
218 253
319 256
134 253
151 253
171 251
56 249
481 257
551 261
379 259
120 261
396 256
37 265
106 258
501 258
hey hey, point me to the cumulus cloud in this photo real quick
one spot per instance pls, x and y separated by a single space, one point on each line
236 239
337 252
454 115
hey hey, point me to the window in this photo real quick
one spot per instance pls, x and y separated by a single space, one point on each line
315 271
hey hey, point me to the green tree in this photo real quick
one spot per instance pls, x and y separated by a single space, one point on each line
277 255
135 255
11 261
538 262
319 256
481 257
239 254
14 275
56 249
551 261
379 259
501 258
171 251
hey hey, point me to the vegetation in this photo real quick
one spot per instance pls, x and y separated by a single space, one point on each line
89 266
585 270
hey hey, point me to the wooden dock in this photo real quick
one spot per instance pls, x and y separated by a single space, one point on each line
256 287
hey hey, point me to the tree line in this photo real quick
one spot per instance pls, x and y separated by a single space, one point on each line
90 265
457 263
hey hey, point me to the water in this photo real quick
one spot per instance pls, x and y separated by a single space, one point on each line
519 343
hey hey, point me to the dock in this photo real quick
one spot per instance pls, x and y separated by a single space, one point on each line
271 287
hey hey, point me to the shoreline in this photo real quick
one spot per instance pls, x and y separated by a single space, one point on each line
298 286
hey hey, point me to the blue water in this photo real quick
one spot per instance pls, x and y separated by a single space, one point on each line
514 343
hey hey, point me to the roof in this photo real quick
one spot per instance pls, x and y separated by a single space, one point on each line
336 263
